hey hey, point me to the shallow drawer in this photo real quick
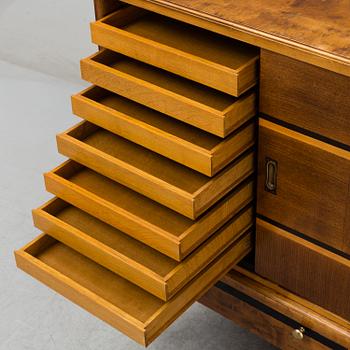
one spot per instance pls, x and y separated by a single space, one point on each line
307 96
208 58
130 309
149 173
183 99
308 187
172 138
147 221
304 268
129 258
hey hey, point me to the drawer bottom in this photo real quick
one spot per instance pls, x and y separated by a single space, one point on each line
130 309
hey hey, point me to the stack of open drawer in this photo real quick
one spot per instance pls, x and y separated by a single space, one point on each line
154 205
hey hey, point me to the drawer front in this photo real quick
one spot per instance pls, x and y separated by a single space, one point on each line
234 306
312 183
141 218
159 178
309 97
181 142
130 309
303 268
208 58
180 98
129 258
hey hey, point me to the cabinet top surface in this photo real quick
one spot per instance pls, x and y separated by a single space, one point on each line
317 27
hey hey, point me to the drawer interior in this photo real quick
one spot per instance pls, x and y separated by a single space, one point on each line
135 261
121 196
122 304
202 94
139 157
105 284
111 237
153 118
198 42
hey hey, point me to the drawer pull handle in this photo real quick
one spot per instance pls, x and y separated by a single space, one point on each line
298 333
271 175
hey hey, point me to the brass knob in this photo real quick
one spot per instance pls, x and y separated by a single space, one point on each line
298 333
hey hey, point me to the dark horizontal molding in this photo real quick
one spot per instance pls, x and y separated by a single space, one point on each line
277 315
304 236
305 132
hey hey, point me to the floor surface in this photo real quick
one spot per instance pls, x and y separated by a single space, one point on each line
33 108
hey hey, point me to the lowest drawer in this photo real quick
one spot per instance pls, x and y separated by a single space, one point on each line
159 178
311 193
140 217
123 305
187 145
129 258
304 268
208 58
203 107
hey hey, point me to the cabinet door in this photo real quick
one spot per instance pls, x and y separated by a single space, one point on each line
304 185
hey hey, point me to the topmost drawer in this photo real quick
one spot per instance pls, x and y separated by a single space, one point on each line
205 57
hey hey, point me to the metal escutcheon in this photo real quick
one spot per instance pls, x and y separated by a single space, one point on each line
298 333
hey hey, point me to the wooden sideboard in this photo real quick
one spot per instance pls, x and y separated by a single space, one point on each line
213 165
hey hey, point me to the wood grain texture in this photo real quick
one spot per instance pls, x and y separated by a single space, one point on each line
265 326
192 147
312 183
210 59
306 96
145 220
180 98
104 7
303 268
314 32
127 257
293 306
171 184
106 295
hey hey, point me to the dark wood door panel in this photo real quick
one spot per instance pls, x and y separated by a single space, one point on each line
303 268
306 96
313 181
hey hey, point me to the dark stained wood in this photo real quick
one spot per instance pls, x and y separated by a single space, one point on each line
316 32
313 182
257 322
104 7
303 268
304 95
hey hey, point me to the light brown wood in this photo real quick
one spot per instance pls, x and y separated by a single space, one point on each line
163 180
187 145
127 257
283 301
309 97
145 220
313 185
303 268
314 32
262 324
180 98
207 58
136 313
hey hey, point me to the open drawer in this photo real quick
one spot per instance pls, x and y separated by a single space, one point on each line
181 142
194 53
145 220
159 178
123 305
129 258
203 107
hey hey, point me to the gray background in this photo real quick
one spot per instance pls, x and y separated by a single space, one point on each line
41 42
